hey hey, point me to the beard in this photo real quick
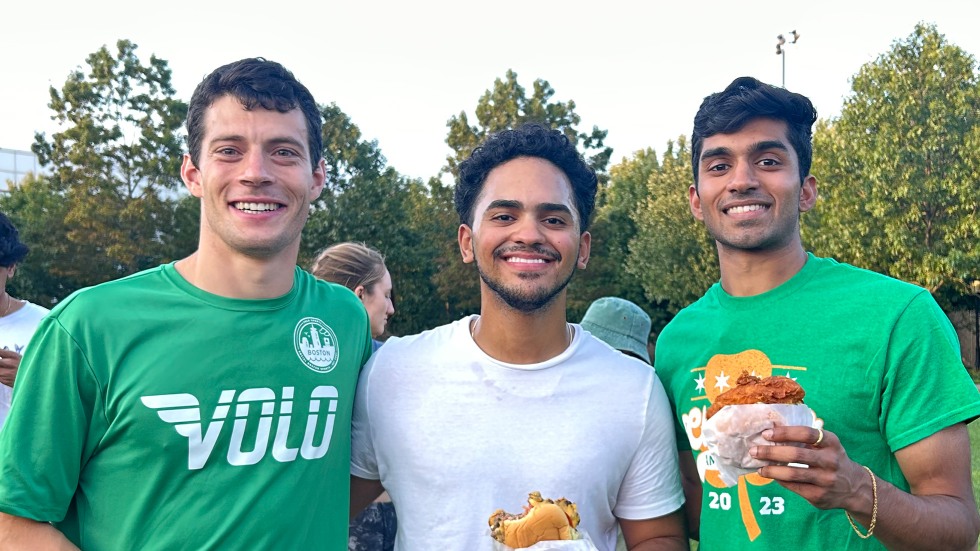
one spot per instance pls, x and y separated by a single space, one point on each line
526 300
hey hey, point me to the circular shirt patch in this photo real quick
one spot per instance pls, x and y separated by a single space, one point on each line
316 345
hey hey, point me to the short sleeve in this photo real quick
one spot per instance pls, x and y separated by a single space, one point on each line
652 486
54 425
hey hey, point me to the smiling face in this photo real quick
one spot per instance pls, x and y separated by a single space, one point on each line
255 180
377 301
749 193
525 237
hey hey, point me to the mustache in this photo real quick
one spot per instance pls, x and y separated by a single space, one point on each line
534 249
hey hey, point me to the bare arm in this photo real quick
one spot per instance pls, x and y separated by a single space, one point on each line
22 533
664 533
362 493
9 363
691 481
939 513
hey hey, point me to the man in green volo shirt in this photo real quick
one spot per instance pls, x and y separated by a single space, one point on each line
886 463
202 404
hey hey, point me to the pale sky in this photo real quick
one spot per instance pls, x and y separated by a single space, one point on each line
400 69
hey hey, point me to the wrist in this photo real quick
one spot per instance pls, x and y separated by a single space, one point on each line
863 511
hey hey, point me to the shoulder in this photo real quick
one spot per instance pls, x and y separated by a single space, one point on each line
691 312
113 294
592 351
309 285
863 285
436 338
35 310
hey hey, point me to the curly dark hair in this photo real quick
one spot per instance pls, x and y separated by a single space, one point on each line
254 82
747 99
528 140
12 251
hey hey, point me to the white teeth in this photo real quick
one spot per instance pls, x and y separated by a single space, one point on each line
526 260
745 208
255 207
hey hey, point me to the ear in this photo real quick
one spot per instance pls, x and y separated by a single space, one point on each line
584 249
464 236
11 271
695 200
359 291
808 193
191 176
319 179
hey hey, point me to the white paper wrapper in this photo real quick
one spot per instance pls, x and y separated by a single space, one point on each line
731 431
582 544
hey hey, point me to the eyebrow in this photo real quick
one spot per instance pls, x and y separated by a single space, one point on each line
756 148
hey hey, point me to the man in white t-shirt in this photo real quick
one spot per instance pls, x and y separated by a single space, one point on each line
470 417
18 318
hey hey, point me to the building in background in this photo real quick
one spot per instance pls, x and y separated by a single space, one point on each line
14 165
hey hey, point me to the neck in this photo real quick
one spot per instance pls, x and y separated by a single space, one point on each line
238 277
7 304
750 273
518 337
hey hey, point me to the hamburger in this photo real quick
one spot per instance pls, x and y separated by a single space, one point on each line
750 389
542 520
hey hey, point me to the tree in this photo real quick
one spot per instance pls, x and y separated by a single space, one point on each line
367 201
507 106
38 212
672 255
898 169
116 164
613 228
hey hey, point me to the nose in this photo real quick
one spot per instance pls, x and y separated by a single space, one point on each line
255 170
743 178
527 230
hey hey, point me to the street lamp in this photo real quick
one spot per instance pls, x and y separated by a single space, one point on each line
781 50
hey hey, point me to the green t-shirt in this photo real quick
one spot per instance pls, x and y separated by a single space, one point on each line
149 414
880 365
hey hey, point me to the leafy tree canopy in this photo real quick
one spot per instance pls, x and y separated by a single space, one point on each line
115 163
898 169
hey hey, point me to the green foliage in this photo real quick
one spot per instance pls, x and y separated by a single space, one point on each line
612 230
898 169
457 284
507 105
672 254
115 165
368 202
38 211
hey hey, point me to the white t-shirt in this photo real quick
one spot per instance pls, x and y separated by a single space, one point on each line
16 330
454 435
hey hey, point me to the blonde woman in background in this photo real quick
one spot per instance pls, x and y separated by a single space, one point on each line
362 270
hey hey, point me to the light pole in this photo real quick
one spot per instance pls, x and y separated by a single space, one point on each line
781 50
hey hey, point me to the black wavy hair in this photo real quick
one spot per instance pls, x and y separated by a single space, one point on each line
254 82
528 140
747 99
12 251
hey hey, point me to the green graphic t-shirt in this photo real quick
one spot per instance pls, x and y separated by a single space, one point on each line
880 365
149 414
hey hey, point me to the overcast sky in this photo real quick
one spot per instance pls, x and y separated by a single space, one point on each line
401 69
